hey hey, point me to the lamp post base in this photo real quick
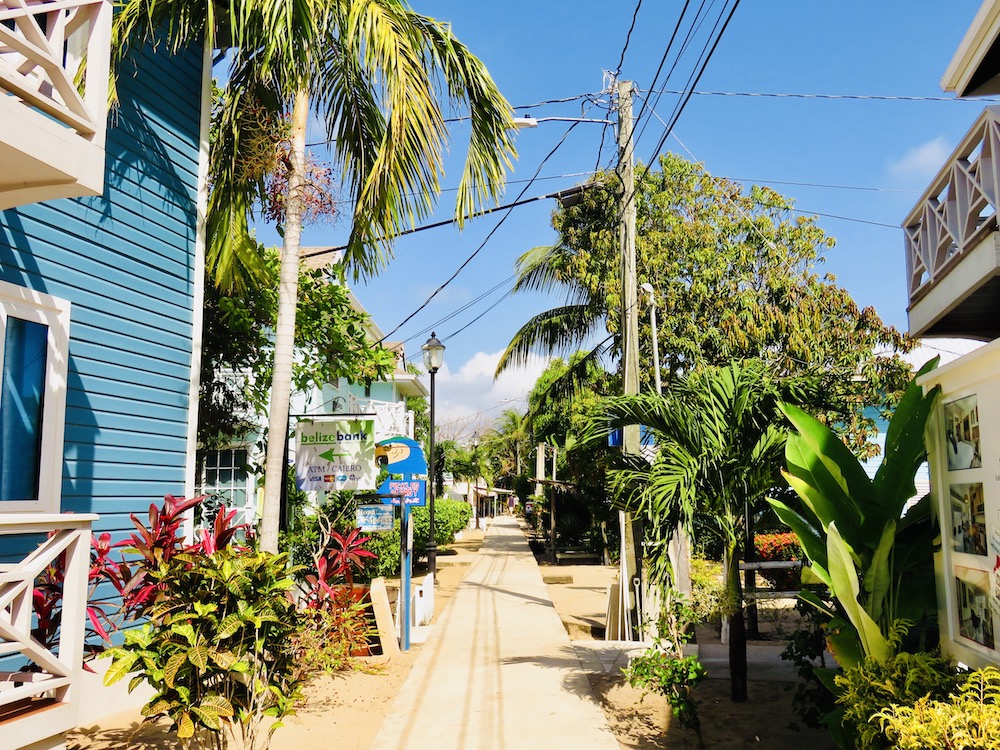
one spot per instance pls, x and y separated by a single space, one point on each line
432 559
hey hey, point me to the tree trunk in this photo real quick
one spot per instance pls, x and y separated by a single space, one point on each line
737 628
284 331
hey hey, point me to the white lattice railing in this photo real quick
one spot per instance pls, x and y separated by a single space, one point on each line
391 417
958 209
54 57
58 669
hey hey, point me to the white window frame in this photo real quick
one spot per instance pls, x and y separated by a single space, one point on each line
54 314
246 513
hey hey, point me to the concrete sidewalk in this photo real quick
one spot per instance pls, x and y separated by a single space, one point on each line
498 671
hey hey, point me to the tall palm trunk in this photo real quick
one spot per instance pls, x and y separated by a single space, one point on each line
737 626
284 330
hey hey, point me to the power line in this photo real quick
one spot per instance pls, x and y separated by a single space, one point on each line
666 53
693 80
486 240
793 210
453 220
825 186
628 38
855 97
844 218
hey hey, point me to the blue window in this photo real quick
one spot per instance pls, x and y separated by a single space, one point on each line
22 394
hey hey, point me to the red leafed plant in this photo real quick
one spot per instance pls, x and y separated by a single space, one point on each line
135 591
48 593
159 542
344 555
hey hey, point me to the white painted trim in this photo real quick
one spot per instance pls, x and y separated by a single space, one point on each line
54 313
198 283
983 30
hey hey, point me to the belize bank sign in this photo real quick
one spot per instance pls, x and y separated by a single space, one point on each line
335 454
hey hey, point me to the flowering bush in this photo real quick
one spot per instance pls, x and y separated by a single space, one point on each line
774 548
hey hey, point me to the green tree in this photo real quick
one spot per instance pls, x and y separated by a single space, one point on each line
508 444
238 348
374 72
736 275
720 448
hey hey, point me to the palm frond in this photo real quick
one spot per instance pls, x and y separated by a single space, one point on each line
558 331
564 387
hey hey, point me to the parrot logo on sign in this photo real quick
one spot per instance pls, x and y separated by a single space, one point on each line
400 455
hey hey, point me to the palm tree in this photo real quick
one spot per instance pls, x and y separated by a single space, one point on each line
510 440
374 72
720 447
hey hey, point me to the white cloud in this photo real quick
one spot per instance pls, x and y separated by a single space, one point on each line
921 163
469 399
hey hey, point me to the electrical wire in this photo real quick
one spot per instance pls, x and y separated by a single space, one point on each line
489 236
628 38
693 80
695 25
453 220
855 97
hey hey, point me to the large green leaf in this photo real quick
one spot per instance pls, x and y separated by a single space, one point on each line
121 665
844 643
173 666
879 574
847 590
905 450
809 538
836 480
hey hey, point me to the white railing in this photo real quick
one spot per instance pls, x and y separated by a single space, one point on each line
391 417
958 209
53 682
54 57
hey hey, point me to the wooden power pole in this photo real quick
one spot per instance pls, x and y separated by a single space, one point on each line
630 529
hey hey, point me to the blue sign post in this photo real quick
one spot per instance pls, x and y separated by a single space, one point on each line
405 569
403 456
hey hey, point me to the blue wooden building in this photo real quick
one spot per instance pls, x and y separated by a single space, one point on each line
101 274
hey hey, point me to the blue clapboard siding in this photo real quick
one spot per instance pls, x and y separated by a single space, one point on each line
125 260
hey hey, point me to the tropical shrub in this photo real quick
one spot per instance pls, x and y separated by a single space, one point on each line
969 719
332 633
450 517
385 546
664 669
812 700
710 601
779 548
873 685
217 648
875 560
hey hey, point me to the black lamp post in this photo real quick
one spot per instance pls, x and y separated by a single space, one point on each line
433 359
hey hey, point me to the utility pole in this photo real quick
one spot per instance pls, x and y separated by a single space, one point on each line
539 468
630 528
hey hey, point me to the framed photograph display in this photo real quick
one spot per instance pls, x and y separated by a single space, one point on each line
968 518
975 616
961 434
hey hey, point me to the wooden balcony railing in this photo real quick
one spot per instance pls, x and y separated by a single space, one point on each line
41 702
54 57
957 210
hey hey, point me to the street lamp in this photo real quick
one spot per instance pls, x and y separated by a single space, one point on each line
648 289
433 360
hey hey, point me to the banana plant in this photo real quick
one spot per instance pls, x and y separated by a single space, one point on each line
875 560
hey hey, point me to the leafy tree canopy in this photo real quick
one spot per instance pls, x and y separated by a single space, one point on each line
736 275
238 349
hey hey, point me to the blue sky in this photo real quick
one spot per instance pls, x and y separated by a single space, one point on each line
545 50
